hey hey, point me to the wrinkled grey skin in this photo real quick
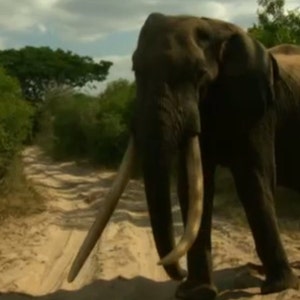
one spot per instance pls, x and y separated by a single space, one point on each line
205 77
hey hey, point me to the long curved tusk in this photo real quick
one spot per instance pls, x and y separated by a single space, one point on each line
195 180
106 211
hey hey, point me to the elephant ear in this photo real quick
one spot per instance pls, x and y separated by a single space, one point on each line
246 75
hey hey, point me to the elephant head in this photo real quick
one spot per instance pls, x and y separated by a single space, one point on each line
179 63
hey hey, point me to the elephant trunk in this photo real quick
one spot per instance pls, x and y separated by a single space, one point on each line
155 144
195 202
156 170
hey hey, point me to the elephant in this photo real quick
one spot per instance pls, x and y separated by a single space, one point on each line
209 94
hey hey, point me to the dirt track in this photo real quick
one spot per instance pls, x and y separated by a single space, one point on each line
36 251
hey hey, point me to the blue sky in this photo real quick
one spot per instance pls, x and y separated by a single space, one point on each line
104 29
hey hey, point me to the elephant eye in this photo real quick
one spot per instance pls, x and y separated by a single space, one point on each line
201 72
202 36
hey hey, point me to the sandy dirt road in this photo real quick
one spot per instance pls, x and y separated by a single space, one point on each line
36 251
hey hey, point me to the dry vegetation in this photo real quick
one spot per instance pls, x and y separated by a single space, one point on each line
18 195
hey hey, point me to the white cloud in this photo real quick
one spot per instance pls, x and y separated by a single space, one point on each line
42 28
90 20
109 16
18 15
46 4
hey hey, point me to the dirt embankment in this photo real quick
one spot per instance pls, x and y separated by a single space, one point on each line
36 252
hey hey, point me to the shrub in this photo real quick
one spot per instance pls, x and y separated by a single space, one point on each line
19 195
15 120
109 138
78 126
62 124
70 126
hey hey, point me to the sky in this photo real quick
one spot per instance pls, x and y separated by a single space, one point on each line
104 29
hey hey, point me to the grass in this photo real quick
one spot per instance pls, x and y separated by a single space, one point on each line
18 196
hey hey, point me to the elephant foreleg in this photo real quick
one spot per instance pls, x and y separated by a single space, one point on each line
254 175
199 283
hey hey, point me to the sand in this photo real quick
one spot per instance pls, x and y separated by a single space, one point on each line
36 251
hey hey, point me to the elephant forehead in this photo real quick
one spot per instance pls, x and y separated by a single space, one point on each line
173 32
169 44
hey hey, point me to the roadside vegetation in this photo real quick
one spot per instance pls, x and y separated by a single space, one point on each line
16 195
27 76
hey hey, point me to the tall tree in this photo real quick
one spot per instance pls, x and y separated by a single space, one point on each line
39 69
275 25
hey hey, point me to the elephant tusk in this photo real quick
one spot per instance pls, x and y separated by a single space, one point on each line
196 191
105 213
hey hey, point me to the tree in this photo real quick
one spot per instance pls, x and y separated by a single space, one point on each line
39 69
275 25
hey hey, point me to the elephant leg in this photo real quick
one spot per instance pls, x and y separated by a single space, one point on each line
254 175
199 283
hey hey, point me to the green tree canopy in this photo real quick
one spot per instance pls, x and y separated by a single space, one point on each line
276 25
39 69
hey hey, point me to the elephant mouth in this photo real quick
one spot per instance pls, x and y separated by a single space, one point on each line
194 215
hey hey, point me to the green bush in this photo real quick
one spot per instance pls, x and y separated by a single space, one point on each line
110 133
15 120
78 126
70 127
63 121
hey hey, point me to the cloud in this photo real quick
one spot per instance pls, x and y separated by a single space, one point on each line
91 20
42 28
21 15
109 16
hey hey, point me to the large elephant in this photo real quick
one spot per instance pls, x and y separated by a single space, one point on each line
209 94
